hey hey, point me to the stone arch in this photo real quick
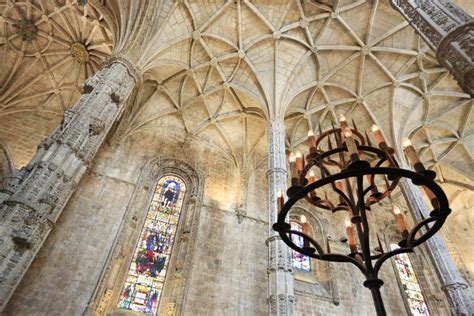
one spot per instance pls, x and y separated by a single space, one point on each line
108 290
418 260
319 282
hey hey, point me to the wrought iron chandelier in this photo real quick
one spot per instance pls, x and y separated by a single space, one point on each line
343 162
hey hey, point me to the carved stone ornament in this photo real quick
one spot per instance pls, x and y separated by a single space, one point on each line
448 30
456 52
181 260
39 199
79 53
280 269
96 126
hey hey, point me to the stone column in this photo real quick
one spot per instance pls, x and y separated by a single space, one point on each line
29 214
448 30
452 283
280 271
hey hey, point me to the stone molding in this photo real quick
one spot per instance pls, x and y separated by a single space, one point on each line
448 30
454 286
28 215
281 297
109 286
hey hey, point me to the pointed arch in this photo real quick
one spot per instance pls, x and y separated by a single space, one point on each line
133 238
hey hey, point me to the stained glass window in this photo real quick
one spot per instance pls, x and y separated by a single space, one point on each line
143 287
415 299
300 261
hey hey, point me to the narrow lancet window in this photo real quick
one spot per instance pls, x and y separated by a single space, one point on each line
143 286
411 288
300 261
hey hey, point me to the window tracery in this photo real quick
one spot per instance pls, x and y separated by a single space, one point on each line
299 260
146 276
410 285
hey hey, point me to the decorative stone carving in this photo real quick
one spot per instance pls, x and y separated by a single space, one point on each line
96 126
456 52
29 214
452 283
280 271
448 30
183 249
79 53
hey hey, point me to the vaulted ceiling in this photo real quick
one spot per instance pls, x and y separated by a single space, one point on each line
219 70
47 49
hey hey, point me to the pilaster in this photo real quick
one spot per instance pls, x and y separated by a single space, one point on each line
37 199
280 271
448 30
454 286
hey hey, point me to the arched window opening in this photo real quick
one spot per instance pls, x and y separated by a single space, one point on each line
411 287
299 260
146 276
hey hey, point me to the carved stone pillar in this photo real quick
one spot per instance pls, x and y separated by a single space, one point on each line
448 30
280 271
452 283
28 215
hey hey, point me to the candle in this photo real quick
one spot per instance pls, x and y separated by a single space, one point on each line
280 201
400 222
311 141
351 145
293 170
350 236
299 162
410 151
342 121
378 136
327 245
311 179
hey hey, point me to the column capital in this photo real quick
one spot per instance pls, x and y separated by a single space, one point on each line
133 70
448 30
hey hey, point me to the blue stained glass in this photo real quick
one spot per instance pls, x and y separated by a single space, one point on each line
143 287
300 261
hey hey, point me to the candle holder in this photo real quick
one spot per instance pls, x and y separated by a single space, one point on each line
356 178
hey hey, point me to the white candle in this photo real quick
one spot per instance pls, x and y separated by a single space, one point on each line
410 151
350 236
400 221
378 135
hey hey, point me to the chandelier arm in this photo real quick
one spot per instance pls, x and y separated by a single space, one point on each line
344 197
322 256
307 252
429 233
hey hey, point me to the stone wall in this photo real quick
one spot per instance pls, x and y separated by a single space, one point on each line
228 274
63 277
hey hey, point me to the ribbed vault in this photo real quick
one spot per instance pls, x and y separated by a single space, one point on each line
218 70
47 49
